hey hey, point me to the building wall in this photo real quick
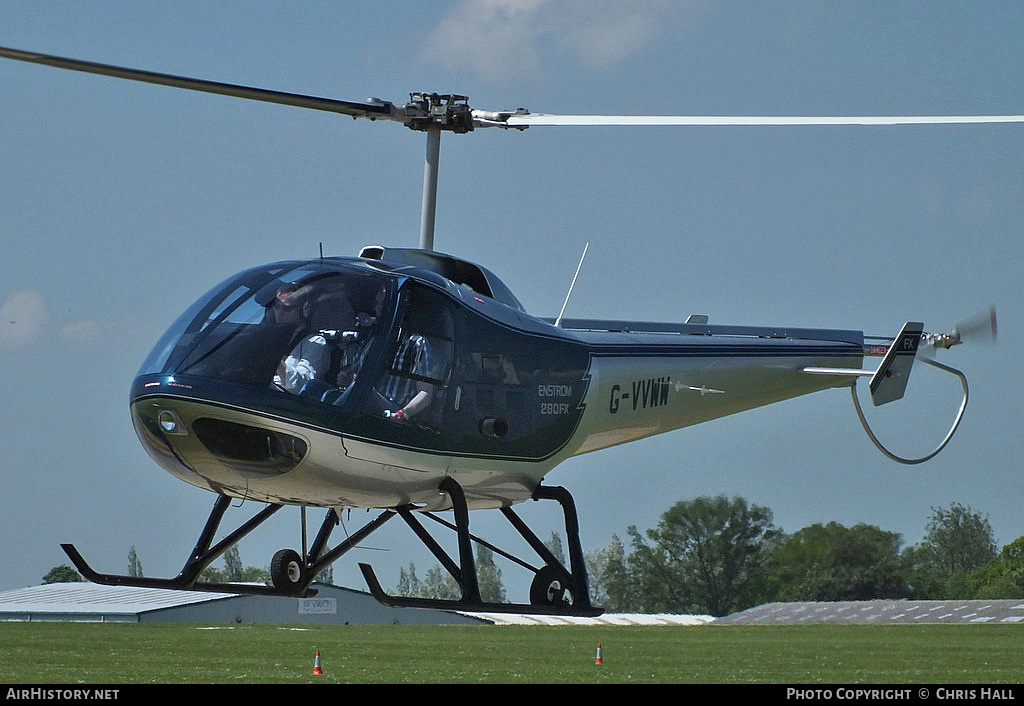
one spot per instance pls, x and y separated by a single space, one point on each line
331 606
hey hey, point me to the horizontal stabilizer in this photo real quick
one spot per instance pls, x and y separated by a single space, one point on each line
889 381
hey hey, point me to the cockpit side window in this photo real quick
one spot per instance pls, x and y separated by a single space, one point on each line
418 362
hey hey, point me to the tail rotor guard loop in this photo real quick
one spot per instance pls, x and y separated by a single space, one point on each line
949 435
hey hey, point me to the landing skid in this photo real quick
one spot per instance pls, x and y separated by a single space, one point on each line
555 590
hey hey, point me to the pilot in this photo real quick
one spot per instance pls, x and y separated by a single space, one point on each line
311 356
414 384
304 363
287 305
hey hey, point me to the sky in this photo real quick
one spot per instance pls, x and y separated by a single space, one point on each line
121 203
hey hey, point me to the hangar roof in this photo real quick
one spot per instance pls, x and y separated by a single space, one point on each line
82 598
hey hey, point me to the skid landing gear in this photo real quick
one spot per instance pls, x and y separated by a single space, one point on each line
555 590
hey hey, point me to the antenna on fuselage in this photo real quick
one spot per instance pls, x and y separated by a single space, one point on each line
558 321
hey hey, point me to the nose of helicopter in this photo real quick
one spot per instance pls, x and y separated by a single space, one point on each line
253 457
206 444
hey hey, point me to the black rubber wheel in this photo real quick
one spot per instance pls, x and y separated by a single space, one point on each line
287 570
551 586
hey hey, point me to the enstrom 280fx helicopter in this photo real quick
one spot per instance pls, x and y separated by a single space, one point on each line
412 382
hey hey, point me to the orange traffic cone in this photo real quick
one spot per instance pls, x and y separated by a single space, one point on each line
317 670
599 660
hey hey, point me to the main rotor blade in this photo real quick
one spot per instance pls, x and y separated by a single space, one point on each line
543 119
359 110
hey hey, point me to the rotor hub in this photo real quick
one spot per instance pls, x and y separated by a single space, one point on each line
446 111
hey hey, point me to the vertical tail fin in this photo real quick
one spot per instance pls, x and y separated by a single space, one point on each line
889 381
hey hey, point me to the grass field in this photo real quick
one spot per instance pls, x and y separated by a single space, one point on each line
92 653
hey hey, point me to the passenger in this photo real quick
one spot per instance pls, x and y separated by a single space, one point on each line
356 343
409 395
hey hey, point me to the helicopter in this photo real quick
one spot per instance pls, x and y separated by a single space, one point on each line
412 383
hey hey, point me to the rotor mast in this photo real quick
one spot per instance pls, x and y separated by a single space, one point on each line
432 113
429 209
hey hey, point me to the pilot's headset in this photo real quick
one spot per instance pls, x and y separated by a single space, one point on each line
287 303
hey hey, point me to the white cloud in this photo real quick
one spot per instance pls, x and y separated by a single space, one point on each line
493 37
24 319
503 38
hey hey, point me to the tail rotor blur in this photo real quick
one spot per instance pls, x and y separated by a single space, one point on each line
980 328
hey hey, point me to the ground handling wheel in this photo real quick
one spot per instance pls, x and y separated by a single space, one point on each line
551 586
287 571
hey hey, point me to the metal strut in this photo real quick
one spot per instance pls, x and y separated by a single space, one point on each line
551 581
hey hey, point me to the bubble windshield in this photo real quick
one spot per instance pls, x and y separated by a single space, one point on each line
302 329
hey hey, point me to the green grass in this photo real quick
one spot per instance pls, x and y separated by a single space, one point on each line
91 653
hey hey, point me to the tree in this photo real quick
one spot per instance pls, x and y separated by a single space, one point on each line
705 555
212 575
408 582
957 541
1002 577
134 565
489 576
836 563
554 545
604 569
62 574
233 564
439 584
